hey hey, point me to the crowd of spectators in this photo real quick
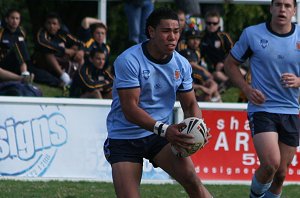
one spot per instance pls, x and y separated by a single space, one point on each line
80 61
60 58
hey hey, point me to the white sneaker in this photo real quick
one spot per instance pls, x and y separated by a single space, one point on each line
66 78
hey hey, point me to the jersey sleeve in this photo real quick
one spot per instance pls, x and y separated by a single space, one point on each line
187 80
126 74
241 50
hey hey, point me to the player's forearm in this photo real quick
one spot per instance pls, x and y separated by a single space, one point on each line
139 117
233 72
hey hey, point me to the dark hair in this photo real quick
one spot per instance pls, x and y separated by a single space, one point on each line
95 26
295 3
212 13
96 50
53 15
10 11
158 14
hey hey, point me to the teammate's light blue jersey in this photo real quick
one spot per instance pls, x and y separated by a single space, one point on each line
270 56
158 81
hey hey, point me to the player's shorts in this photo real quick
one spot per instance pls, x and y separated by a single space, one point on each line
133 150
286 125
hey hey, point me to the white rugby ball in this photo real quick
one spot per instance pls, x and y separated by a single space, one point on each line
197 127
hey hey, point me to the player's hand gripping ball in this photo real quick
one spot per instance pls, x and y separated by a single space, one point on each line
197 127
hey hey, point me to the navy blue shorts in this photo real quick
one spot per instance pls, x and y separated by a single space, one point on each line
286 125
133 150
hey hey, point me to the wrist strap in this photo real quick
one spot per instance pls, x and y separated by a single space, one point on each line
160 128
25 73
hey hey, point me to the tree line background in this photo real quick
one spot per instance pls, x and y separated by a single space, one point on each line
236 17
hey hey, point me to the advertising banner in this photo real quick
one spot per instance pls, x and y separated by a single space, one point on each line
230 154
61 141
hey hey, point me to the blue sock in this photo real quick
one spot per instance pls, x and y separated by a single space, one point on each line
257 189
269 194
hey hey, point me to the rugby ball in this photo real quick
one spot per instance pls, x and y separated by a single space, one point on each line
198 129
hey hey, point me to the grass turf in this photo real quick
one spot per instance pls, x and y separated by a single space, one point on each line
84 189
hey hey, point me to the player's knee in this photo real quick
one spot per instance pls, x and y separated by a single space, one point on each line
270 168
280 176
191 181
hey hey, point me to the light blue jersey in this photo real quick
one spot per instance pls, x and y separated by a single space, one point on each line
158 81
270 56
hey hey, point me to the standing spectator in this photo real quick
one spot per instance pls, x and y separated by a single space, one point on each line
214 47
206 89
273 108
57 51
137 12
148 78
190 7
13 48
92 80
182 24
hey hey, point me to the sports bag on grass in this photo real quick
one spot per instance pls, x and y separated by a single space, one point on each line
13 88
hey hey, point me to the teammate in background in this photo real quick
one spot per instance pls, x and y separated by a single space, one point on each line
92 80
58 51
273 109
148 77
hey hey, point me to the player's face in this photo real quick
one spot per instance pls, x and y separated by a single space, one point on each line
13 20
99 35
212 24
52 25
282 12
165 36
98 60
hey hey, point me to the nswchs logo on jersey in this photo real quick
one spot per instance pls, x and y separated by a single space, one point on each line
264 43
298 45
177 74
32 143
146 74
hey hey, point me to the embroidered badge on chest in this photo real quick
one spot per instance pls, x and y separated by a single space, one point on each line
264 43
298 45
146 74
177 74
217 44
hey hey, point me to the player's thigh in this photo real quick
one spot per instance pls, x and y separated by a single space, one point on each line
267 148
180 168
126 178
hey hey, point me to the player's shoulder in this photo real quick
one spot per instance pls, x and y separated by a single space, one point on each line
180 59
129 55
257 27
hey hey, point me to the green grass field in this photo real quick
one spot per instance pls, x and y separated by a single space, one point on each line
230 95
64 189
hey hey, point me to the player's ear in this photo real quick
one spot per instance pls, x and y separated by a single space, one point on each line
151 31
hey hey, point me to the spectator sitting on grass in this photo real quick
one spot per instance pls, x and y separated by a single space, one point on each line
57 51
92 80
93 33
206 89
